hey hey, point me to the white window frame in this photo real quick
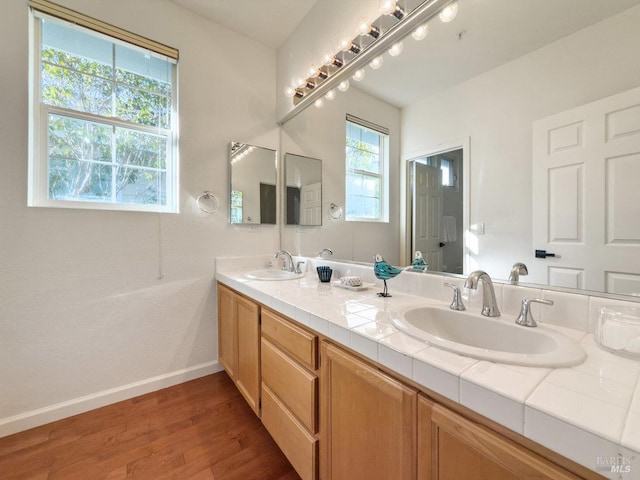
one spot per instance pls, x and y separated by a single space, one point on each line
38 189
383 176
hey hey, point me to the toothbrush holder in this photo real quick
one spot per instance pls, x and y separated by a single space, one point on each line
324 273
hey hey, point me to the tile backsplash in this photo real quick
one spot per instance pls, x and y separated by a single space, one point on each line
572 310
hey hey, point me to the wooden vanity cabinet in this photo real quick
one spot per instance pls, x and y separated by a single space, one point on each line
451 447
368 421
239 343
346 419
290 391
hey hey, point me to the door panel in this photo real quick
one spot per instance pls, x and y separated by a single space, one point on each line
427 214
586 200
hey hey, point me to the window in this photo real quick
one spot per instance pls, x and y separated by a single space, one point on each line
446 166
236 206
367 153
103 121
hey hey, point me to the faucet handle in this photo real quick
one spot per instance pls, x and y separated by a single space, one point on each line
298 269
456 303
525 318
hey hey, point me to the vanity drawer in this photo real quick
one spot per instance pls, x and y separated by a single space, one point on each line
298 343
298 445
294 385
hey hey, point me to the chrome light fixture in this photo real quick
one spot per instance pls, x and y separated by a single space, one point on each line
373 39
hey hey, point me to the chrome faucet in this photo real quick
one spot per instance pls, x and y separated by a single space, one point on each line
525 318
456 303
518 269
288 261
489 304
328 250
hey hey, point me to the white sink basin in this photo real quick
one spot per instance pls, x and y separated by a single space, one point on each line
273 274
495 339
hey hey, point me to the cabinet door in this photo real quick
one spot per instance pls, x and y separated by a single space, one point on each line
248 368
451 447
368 421
227 331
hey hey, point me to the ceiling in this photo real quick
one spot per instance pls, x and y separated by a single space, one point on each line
484 35
267 21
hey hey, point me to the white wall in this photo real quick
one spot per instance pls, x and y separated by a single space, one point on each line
320 133
82 309
496 111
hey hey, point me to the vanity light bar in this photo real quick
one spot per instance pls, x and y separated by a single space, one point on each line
339 69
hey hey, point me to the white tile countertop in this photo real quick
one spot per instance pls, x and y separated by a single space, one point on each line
589 413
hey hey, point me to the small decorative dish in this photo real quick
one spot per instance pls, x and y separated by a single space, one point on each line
364 286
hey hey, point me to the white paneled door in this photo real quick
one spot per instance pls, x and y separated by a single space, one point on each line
586 196
427 214
311 204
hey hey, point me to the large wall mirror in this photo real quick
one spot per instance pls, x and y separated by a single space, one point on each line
488 76
303 192
252 180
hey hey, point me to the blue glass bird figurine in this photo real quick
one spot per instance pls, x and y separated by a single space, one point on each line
418 264
384 271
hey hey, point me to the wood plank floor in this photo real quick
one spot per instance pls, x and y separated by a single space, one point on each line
199 430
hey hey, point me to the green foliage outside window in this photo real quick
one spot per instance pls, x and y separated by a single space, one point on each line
364 177
110 129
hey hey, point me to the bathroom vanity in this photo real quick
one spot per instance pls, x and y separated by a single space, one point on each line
345 395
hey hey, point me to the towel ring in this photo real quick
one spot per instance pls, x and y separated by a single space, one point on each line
208 198
335 211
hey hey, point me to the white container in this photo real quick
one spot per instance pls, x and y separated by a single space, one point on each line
351 281
618 330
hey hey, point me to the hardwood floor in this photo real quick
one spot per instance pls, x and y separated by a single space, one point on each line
199 430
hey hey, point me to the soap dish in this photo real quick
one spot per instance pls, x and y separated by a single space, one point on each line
618 330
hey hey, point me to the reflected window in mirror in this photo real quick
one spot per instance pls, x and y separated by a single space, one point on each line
446 167
236 206
367 166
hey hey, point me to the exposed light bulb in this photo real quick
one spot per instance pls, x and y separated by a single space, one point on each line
363 27
387 7
313 71
420 32
331 94
343 86
376 63
289 91
358 75
449 12
299 82
396 49
319 103
345 43
366 28
327 58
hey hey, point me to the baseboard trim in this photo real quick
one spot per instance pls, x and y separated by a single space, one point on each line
58 411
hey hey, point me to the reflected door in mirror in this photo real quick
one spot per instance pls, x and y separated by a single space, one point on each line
304 190
596 236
